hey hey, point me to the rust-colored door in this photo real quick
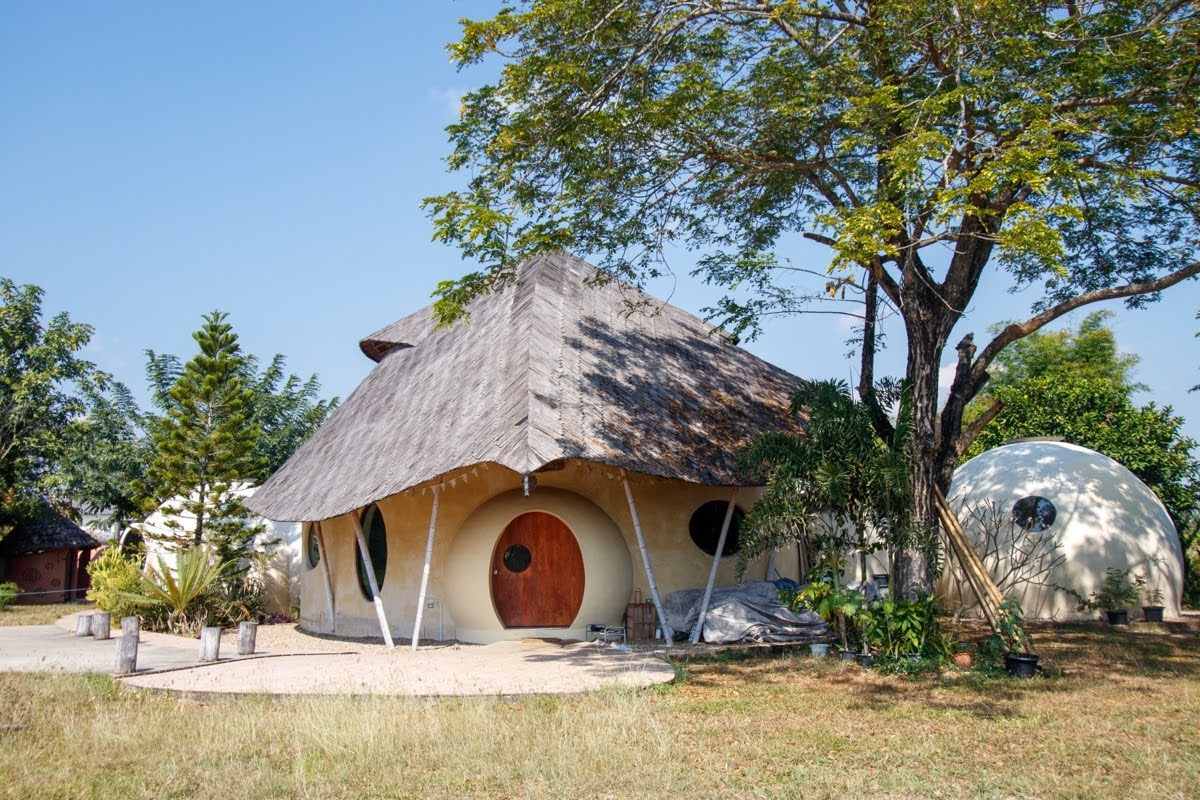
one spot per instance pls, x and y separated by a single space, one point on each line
537 573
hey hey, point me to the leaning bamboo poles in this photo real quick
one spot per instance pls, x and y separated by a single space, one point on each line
384 628
712 573
433 515
668 634
977 575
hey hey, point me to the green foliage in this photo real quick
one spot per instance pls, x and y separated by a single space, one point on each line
831 486
8 593
839 607
1117 591
1189 536
181 591
1010 627
205 447
39 367
900 629
114 576
1076 385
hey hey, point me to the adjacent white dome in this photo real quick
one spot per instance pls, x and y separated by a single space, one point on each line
1098 510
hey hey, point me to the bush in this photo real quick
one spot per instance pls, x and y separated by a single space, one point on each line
114 577
902 629
8 593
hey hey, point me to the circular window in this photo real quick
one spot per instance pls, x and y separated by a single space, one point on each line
313 547
705 527
517 558
1034 513
376 536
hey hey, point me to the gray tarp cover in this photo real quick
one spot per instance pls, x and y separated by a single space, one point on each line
736 613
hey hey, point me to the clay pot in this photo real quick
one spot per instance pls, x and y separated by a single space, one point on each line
964 660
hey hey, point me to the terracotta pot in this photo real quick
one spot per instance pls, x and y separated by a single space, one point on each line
964 660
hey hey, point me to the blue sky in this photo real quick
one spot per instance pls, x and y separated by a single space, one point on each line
159 160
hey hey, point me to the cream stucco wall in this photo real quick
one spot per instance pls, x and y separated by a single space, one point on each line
459 604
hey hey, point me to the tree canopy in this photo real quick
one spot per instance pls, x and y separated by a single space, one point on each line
923 142
40 372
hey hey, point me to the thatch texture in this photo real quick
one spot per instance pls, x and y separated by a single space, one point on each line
49 530
546 369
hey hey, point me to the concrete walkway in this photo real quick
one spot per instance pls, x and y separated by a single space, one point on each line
301 664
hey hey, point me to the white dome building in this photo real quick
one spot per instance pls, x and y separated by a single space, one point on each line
1098 511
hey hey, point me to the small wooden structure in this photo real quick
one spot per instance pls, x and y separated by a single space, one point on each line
47 556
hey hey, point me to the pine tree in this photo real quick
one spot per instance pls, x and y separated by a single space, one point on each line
205 447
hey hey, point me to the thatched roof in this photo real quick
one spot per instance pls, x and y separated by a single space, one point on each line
49 530
546 369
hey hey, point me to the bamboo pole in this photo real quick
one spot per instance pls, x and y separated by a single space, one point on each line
977 575
325 574
433 515
370 565
712 572
668 634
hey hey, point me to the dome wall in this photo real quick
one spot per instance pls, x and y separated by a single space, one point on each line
1104 516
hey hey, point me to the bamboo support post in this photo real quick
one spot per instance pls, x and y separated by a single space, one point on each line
320 534
712 572
132 626
127 649
210 643
370 565
668 634
977 575
101 625
83 625
433 515
247 634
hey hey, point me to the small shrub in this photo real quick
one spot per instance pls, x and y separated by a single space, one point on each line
900 628
8 593
182 594
114 575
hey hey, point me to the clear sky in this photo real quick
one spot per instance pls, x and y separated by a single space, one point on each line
159 160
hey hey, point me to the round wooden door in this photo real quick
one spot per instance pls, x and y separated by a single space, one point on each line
537 573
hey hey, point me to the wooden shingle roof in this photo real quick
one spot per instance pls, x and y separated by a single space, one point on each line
548 368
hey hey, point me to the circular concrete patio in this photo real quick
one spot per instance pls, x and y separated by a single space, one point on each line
503 669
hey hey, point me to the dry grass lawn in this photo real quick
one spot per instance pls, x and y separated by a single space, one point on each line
35 614
1122 721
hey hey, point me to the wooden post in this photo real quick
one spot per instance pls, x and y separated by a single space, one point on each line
127 647
325 574
210 643
668 634
83 625
712 573
433 515
132 626
247 633
370 565
101 625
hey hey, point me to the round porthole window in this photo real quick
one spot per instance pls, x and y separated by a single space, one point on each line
705 527
313 547
376 535
517 558
1034 513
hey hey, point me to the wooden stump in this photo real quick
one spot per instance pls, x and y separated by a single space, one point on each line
101 625
247 632
210 643
127 647
83 625
132 626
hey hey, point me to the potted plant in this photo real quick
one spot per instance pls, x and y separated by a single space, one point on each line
1152 609
1019 660
1116 595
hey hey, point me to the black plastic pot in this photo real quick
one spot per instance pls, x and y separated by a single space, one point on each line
1021 665
1120 617
846 655
866 660
1152 613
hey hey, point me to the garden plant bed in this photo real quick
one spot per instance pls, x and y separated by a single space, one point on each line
1117 718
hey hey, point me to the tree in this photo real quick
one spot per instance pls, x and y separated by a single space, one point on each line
205 445
39 368
925 143
105 453
284 407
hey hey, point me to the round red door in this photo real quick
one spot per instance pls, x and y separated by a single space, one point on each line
537 573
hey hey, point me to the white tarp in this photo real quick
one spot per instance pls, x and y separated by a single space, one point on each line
751 612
